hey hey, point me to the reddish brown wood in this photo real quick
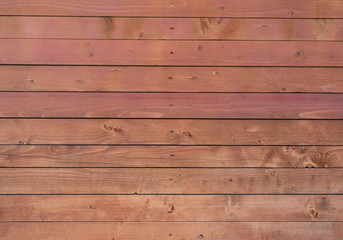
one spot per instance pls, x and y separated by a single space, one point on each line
171 79
177 132
172 208
172 230
170 156
171 28
177 8
172 105
155 52
170 181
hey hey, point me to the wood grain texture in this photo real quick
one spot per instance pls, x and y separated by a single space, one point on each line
176 8
178 132
171 79
172 230
171 28
171 156
172 208
173 53
170 181
172 105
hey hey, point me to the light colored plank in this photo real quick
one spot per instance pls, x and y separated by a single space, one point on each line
166 231
173 53
172 105
170 28
171 132
170 181
171 208
176 8
171 79
171 156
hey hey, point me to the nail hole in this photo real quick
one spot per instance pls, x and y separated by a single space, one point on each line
170 180
172 155
230 179
171 52
170 234
170 77
172 4
283 89
201 236
171 131
171 28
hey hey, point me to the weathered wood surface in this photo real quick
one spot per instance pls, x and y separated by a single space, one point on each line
170 181
172 105
155 52
161 231
171 230
171 28
177 8
172 208
171 79
171 156
171 132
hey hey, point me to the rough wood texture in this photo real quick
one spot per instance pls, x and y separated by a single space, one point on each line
178 132
172 230
171 28
171 79
171 156
172 208
170 181
172 105
155 52
177 8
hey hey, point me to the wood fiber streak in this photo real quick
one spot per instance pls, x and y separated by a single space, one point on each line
170 181
171 79
171 28
178 132
172 105
171 156
177 8
172 208
173 53
172 230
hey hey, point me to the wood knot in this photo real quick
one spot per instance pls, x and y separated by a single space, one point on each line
186 134
117 130
215 72
313 212
289 148
108 127
171 208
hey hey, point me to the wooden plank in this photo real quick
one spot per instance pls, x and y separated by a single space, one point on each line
174 53
170 28
170 156
171 230
171 79
171 132
171 105
172 208
170 181
177 8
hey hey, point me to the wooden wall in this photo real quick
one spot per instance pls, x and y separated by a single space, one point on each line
178 119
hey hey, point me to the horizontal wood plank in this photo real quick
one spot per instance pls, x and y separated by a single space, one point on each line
170 181
172 105
173 53
171 132
170 156
172 208
161 231
172 230
170 28
177 8
171 79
